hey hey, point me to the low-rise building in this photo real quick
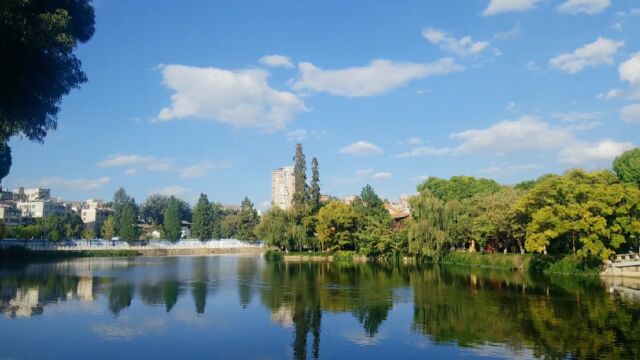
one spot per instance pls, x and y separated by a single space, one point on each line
94 213
40 209
10 215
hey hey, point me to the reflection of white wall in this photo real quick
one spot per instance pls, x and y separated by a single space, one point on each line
283 317
24 303
85 289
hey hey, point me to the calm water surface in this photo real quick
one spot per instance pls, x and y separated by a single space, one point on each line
229 307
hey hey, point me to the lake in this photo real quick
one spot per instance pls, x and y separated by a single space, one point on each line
241 307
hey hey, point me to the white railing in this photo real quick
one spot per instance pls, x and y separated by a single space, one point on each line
70 245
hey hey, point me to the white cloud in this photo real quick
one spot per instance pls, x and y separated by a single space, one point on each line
198 170
462 47
122 160
512 33
130 172
412 141
589 7
611 94
631 113
378 77
532 66
501 6
297 135
425 151
599 152
526 133
276 61
82 184
241 98
361 148
176 191
381 176
599 52
149 162
575 116
630 69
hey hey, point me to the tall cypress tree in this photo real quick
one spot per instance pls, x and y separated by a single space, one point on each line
314 190
128 225
300 181
201 223
171 217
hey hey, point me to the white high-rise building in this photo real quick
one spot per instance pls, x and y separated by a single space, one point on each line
282 187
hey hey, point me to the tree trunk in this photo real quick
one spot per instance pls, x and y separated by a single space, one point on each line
573 239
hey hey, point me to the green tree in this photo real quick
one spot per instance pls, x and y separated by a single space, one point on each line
171 224
109 228
626 166
336 223
374 236
88 234
458 187
299 203
248 219
38 67
314 189
201 225
216 216
229 226
493 224
128 225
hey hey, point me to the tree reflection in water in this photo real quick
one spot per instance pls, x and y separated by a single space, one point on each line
552 317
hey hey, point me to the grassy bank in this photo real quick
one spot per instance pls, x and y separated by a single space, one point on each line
497 261
19 253
534 264
276 255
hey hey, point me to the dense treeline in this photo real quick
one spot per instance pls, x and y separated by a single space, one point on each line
588 214
129 221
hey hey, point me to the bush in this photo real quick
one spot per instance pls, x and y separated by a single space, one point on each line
575 265
343 256
273 255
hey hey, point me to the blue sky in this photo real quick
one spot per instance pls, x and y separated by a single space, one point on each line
209 96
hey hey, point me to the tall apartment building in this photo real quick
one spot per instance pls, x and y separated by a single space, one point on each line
282 187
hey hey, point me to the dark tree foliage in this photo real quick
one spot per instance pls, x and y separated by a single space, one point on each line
37 66
152 209
247 220
5 160
314 190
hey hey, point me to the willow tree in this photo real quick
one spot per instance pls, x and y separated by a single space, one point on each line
435 227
